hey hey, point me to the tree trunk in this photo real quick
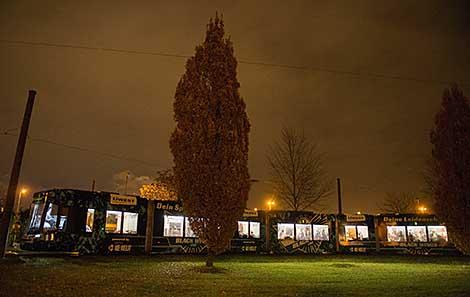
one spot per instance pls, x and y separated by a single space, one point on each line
210 259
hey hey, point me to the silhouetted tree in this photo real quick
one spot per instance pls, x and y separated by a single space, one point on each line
399 202
298 174
449 170
210 141
3 193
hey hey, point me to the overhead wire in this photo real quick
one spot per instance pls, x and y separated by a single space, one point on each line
241 61
83 149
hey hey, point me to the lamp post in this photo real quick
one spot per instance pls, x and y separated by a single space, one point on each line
22 192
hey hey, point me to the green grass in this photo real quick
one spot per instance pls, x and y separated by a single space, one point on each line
237 276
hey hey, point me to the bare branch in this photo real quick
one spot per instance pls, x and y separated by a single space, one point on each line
297 172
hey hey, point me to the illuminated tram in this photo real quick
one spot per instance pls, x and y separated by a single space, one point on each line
88 222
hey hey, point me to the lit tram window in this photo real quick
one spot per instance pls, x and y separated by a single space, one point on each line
254 230
362 232
438 233
285 231
351 232
320 232
113 221
417 233
303 232
243 229
396 233
129 225
173 226
90 217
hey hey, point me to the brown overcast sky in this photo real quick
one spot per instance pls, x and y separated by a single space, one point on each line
374 131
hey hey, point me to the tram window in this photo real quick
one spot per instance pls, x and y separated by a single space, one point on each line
188 232
351 232
437 233
36 215
362 232
243 229
320 232
173 226
90 217
396 233
285 231
130 223
51 217
63 214
303 232
62 222
113 221
417 233
254 229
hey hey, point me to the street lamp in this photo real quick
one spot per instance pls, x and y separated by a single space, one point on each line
270 204
22 192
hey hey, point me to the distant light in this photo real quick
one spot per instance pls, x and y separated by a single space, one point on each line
256 209
24 191
358 212
270 204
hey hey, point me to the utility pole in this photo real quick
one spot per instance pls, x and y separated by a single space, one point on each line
340 202
127 179
15 174
340 212
149 230
93 184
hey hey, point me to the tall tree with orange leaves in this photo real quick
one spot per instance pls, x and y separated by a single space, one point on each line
210 141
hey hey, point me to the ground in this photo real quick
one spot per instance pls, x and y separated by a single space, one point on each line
238 276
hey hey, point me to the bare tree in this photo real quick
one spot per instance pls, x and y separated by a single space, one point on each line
399 202
298 174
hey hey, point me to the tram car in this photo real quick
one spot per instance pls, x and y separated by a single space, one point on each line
412 234
251 233
302 232
85 222
356 233
109 223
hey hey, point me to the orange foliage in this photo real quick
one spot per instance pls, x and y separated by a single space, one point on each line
210 141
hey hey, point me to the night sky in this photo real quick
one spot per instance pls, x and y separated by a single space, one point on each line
374 131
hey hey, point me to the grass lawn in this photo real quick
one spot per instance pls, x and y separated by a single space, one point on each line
240 276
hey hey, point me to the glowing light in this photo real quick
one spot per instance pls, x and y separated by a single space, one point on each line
422 209
24 191
255 209
271 204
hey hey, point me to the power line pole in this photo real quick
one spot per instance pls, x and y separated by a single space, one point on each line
340 212
15 174
338 190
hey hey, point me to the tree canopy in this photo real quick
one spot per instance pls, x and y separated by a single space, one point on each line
210 141
450 166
